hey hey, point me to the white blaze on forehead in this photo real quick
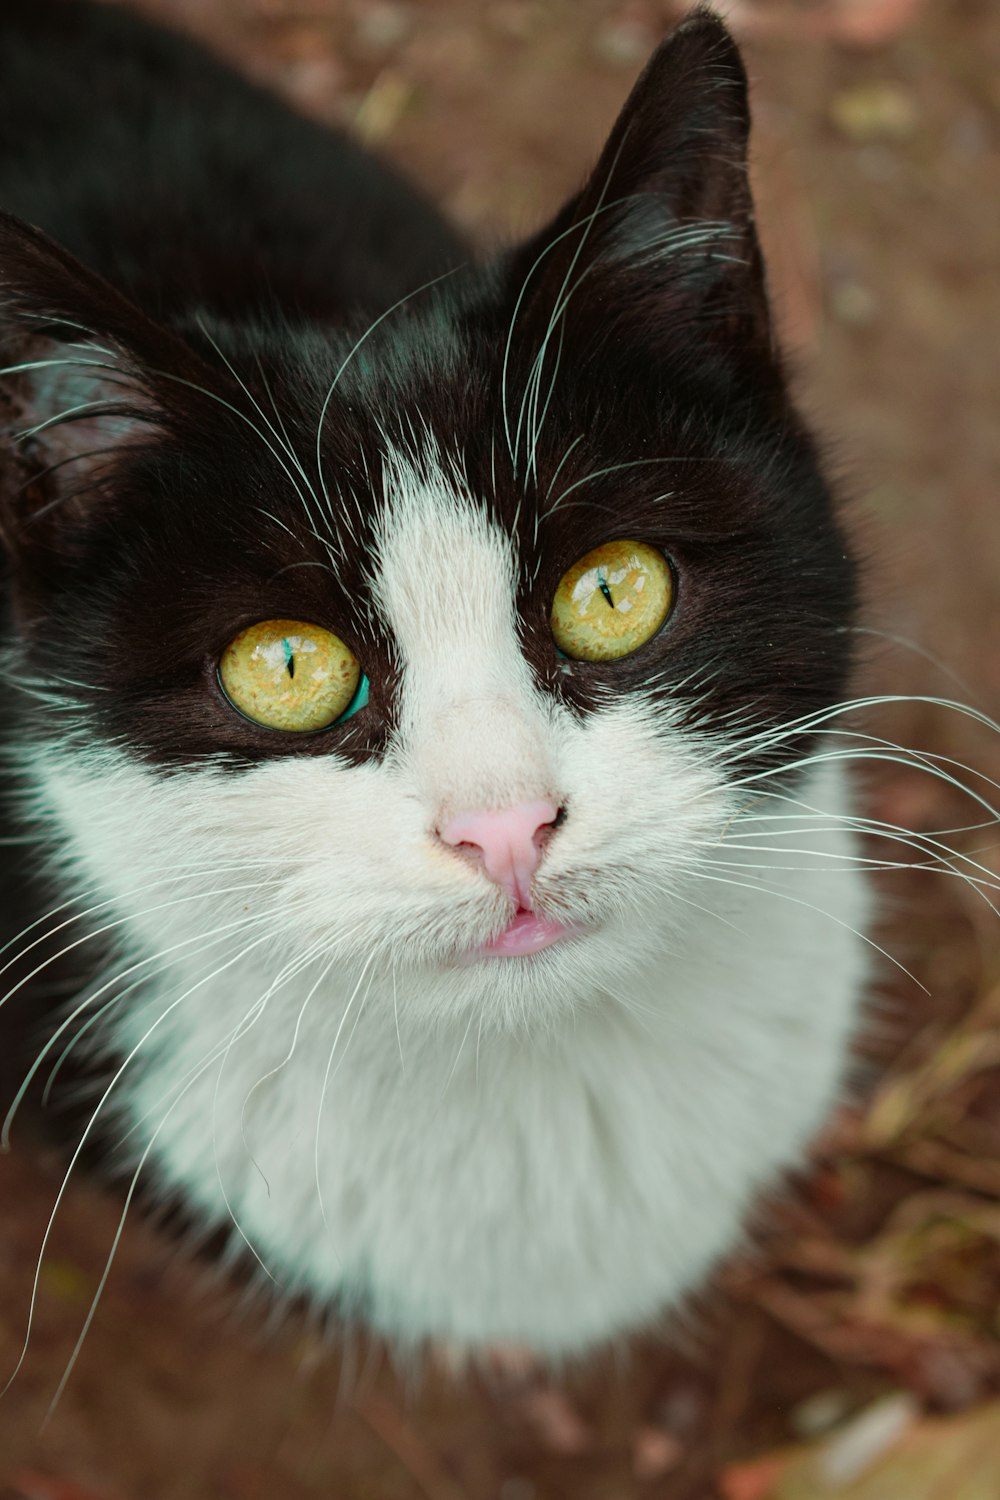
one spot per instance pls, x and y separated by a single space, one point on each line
444 578
444 575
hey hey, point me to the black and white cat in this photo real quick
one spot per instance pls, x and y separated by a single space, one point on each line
416 664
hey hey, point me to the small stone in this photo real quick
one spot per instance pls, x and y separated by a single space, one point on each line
556 1421
654 1453
853 303
819 1413
313 82
623 44
951 1377
383 25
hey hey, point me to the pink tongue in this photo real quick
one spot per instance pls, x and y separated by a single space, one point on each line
527 933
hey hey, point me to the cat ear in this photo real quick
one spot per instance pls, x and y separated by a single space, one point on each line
78 385
662 235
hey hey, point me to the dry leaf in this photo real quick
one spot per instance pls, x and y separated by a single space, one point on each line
956 1458
874 111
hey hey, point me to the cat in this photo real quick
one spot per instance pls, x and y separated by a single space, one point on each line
417 670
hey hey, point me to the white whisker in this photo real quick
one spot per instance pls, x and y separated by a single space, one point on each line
78 1151
799 901
326 1081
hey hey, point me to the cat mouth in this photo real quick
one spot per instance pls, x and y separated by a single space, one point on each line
527 932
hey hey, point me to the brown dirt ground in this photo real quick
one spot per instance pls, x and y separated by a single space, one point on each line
878 167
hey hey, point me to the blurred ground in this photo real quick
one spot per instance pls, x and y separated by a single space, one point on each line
878 1279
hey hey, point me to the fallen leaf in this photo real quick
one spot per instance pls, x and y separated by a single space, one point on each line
952 1458
865 1438
384 105
874 111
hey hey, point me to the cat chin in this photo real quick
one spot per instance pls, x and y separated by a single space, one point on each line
597 966
524 995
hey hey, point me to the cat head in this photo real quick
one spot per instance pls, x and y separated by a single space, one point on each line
418 490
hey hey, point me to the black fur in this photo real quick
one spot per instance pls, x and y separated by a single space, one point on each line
231 244
187 186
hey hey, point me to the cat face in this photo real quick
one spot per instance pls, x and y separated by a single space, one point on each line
419 486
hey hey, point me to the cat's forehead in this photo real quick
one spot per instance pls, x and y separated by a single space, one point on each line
444 581
443 568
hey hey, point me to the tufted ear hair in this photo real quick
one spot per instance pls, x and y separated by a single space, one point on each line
84 377
662 235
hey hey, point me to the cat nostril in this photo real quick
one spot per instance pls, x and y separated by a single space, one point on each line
508 841
544 831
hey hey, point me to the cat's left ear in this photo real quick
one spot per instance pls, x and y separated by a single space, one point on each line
84 379
663 234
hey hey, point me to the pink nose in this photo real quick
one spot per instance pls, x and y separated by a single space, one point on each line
508 842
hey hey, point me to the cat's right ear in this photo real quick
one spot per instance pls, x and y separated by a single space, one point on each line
82 374
661 239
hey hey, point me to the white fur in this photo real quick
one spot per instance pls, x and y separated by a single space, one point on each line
548 1150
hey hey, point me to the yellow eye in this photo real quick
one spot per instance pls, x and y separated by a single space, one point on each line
612 601
289 675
